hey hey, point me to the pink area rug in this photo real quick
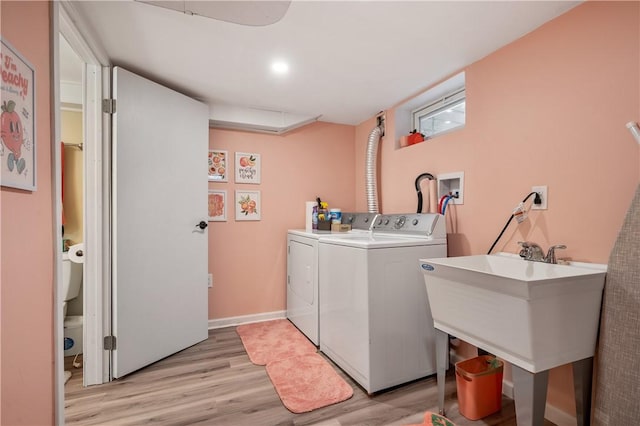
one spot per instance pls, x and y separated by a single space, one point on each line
307 382
303 379
273 340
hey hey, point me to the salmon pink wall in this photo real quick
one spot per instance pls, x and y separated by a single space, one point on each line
248 259
26 293
548 109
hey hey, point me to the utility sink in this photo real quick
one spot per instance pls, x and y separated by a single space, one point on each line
535 315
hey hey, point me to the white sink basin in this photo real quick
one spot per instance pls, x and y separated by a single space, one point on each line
535 315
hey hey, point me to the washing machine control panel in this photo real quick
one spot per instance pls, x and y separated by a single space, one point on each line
359 220
410 223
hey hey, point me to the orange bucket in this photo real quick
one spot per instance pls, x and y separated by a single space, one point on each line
479 384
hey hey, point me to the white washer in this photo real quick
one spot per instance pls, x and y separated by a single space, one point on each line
374 311
302 272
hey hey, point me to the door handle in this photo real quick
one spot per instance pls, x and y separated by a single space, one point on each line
202 225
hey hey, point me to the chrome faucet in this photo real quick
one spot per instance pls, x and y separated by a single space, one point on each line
532 251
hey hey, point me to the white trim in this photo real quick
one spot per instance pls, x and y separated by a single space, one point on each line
439 103
507 388
245 319
56 182
80 35
551 412
559 417
437 106
455 357
95 279
93 218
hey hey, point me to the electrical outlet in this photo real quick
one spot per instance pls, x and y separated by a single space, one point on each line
542 190
210 281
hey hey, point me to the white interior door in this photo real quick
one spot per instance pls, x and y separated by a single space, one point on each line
159 299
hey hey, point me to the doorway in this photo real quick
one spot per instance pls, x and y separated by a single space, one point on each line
86 193
124 216
72 195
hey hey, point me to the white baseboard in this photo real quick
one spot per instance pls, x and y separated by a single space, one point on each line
245 319
559 417
454 357
507 388
551 412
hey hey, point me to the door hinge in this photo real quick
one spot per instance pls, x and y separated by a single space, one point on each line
109 343
288 279
109 106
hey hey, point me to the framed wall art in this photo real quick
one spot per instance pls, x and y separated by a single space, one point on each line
248 206
17 120
218 166
247 167
217 205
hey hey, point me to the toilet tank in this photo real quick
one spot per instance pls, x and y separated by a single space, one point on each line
71 277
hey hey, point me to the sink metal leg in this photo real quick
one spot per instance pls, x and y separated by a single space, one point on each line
582 375
530 394
442 362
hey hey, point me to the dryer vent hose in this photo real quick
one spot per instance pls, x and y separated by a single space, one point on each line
371 169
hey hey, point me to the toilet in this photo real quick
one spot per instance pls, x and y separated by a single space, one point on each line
72 282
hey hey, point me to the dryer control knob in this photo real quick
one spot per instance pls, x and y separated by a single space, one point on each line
366 219
415 222
399 223
386 222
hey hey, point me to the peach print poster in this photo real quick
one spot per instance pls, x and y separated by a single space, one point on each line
217 205
248 205
247 167
218 166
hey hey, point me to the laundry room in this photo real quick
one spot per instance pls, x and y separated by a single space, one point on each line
552 106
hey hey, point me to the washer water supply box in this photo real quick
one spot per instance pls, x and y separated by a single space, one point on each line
73 335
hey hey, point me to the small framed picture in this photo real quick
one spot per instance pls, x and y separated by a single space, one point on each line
217 205
218 166
18 134
247 167
248 206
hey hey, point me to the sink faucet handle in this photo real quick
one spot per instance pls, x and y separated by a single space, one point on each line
551 254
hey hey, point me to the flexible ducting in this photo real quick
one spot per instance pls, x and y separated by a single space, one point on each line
371 170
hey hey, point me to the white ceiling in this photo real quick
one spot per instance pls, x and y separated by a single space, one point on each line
348 59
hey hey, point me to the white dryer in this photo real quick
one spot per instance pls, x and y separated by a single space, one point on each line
374 311
302 272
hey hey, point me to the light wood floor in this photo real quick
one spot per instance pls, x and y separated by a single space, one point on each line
214 383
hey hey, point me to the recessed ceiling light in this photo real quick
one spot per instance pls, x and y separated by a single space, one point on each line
280 67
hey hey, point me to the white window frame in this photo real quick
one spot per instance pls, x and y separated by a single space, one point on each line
436 106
